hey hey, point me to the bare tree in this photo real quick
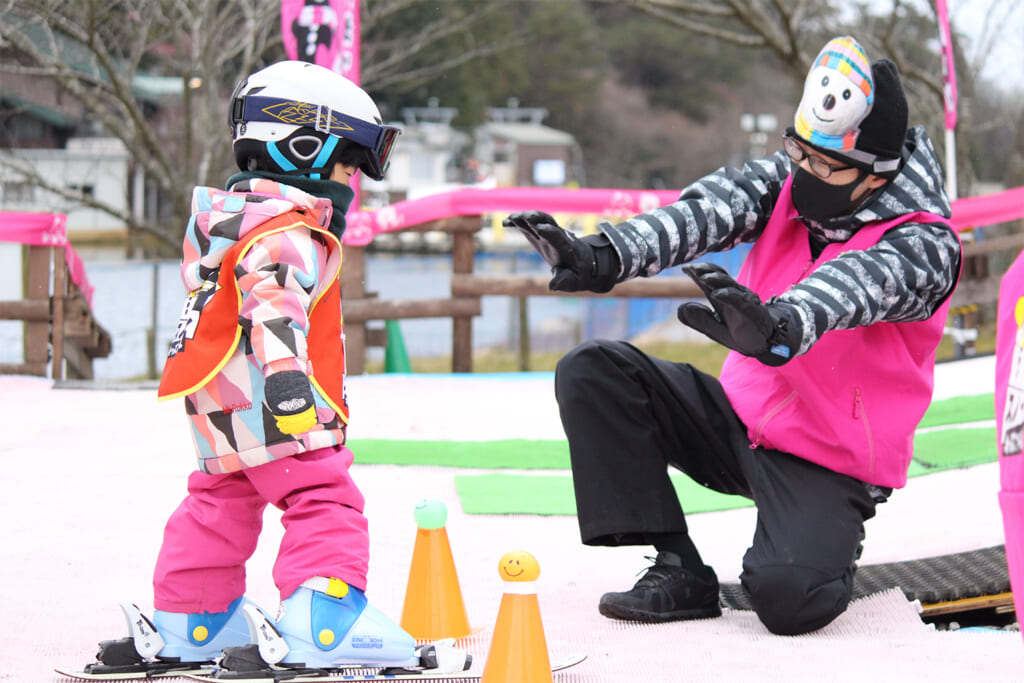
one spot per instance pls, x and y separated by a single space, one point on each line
386 55
94 49
793 30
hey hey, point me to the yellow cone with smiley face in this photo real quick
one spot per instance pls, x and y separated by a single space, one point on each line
519 650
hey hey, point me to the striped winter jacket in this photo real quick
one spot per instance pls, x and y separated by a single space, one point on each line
902 278
279 277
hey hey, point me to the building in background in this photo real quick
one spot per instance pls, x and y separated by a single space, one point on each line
48 132
513 149
520 151
426 160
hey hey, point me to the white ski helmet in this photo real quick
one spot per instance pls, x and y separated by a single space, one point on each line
299 118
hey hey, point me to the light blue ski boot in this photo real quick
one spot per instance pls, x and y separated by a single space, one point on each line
200 637
327 623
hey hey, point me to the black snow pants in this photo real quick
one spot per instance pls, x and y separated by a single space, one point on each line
629 416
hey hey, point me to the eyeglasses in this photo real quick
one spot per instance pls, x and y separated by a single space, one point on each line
819 166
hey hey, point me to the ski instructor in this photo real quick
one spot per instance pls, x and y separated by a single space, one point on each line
833 322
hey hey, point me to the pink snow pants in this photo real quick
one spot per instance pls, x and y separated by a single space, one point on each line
209 537
1009 407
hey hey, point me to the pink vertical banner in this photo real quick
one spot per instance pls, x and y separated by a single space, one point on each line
324 32
350 64
948 65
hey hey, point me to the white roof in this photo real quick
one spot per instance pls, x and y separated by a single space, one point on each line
528 134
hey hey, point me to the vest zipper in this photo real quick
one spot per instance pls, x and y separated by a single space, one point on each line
769 415
859 413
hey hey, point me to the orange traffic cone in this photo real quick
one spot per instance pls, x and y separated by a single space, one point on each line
519 651
433 600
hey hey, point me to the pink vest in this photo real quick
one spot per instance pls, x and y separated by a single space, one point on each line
853 401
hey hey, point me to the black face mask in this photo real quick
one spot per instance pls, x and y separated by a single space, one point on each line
818 199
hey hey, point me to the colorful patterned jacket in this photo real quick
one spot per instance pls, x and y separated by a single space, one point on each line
278 288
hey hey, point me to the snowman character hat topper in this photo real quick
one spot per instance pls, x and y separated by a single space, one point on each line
852 109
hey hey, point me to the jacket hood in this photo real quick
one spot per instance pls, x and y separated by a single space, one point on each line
918 187
220 218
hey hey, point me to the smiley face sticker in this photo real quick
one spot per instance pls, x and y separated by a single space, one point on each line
518 565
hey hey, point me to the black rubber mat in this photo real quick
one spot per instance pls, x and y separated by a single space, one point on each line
932 579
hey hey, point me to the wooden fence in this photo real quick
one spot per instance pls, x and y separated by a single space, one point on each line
60 331
461 213
361 307
54 303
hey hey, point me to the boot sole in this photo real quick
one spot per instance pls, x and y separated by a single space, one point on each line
628 614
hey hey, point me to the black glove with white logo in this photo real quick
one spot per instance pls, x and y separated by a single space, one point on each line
587 263
290 399
770 332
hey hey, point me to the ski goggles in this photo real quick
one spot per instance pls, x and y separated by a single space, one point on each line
379 140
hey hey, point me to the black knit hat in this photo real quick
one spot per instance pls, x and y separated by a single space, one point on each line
852 113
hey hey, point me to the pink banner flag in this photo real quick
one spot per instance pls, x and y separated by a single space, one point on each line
324 32
948 66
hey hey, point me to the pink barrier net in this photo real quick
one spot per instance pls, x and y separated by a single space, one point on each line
48 230
364 225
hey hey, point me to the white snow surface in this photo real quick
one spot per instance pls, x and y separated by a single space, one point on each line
92 475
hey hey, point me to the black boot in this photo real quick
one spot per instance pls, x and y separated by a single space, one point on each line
666 592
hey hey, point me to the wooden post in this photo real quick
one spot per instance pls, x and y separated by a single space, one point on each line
37 288
353 286
524 334
154 301
463 251
60 290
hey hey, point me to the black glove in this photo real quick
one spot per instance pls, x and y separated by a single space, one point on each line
769 332
290 399
576 263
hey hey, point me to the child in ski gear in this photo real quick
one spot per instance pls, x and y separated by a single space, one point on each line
1009 400
832 323
259 359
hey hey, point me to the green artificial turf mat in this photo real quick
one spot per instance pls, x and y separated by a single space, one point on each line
952 448
959 410
511 493
552 494
539 454
516 493
517 454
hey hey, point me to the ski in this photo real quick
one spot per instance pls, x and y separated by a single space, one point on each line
354 674
135 656
151 670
